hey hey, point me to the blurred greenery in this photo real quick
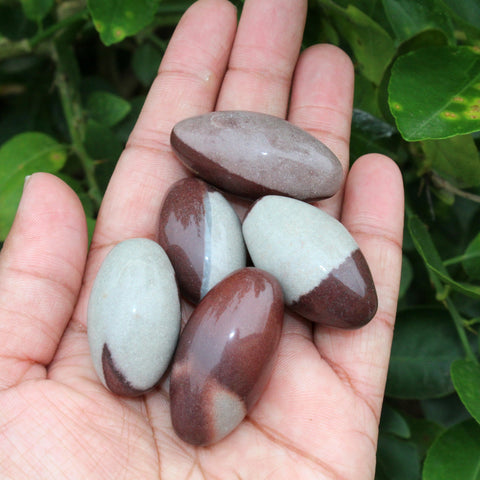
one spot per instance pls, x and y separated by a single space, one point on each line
73 78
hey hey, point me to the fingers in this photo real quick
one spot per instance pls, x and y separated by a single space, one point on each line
321 103
41 268
187 84
373 213
263 57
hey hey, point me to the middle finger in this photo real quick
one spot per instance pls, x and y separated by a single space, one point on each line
263 57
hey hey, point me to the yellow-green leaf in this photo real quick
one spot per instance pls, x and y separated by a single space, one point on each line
23 155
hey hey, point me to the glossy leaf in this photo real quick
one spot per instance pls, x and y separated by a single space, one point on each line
392 422
145 63
435 92
455 454
117 19
424 346
424 244
406 277
456 159
370 134
103 146
23 155
13 22
466 379
467 10
445 411
107 108
427 250
410 17
423 433
36 9
372 46
471 261
397 459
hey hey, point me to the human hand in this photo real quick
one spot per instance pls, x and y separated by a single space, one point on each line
319 416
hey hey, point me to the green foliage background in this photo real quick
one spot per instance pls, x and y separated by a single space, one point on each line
74 75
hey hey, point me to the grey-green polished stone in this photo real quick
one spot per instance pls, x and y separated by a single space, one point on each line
133 316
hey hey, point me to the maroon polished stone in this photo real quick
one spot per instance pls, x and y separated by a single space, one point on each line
345 299
252 154
225 356
201 234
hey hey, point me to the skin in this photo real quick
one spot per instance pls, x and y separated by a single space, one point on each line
318 418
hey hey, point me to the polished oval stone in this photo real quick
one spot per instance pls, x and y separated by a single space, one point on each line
133 317
202 236
253 154
225 356
324 275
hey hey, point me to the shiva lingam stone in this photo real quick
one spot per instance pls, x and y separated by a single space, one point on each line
252 154
225 356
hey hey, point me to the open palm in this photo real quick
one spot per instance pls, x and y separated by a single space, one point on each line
319 416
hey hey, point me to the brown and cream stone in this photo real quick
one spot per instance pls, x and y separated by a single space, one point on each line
252 154
133 317
225 356
323 273
202 236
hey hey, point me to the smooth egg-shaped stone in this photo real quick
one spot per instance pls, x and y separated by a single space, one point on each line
324 275
253 154
133 317
225 356
202 236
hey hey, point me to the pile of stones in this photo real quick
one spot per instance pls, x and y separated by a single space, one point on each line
239 274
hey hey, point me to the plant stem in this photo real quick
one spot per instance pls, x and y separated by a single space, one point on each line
442 296
9 48
52 30
440 182
74 115
458 321
460 258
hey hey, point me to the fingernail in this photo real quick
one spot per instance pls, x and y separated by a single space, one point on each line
27 179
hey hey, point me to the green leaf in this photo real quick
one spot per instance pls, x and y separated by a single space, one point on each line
423 433
424 244
397 459
471 261
117 19
466 379
410 17
145 63
407 276
393 423
13 22
446 411
372 46
125 127
424 346
90 228
36 9
23 155
467 10
370 134
107 108
455 454
427 250
456 159
434 92
103 146
79 189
